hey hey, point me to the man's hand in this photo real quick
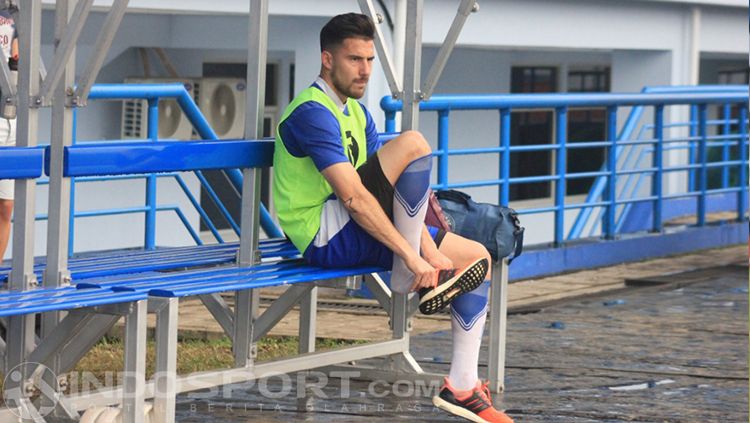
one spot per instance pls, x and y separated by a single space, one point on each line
437 259
425 276
430 252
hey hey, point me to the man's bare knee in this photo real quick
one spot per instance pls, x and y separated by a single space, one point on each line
414 145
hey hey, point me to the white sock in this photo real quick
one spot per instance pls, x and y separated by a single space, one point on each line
409 209
468 315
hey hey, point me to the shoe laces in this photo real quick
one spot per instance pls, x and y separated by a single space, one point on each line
484 390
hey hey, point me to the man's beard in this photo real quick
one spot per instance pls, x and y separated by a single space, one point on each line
346 90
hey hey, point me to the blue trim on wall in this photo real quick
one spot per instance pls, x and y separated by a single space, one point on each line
537 263
639 218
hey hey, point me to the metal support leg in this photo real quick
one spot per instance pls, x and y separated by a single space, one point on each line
21 338
498 325
134 382
308 311
246 304
166 362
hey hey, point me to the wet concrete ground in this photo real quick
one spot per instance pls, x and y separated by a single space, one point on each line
674 352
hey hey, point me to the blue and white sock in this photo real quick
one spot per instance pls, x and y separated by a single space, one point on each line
409 208
468 315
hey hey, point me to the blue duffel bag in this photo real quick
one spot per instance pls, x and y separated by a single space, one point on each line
495 227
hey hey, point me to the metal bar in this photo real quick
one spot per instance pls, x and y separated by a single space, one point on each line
443 138
206 380
197 206
308 311
67 330
165 379
446 48
103 42
245 311
134 379
162 55
247 303
74 351
693 133
742 149
56 273
72 210
382 48
611 209
505 159
727 109
220 311
570 100
561 135
412 65
22 276
399 313
217 202
278 309
498 325
390 121
379 290
150 216
702 159
66 37
658 163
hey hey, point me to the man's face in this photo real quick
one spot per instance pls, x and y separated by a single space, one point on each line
350 65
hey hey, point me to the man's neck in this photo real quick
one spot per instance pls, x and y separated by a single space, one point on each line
326 87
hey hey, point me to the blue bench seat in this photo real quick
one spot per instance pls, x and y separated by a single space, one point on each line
222 279
13 303
120 262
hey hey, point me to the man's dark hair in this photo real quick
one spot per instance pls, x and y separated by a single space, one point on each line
341 27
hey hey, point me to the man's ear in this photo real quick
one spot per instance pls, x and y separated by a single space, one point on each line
326 59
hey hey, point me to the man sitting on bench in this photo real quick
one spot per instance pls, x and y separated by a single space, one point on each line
344 200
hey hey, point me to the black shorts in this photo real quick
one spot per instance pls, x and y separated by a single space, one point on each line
374 179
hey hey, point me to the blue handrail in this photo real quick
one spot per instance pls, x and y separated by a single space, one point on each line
194 115
630 124
659 97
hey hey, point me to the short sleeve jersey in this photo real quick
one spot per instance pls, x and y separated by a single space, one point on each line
313 131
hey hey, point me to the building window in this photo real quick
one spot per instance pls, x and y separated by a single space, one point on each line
531 128
586 125
716 175
734 76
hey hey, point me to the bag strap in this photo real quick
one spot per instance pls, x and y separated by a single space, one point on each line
517 236
453 195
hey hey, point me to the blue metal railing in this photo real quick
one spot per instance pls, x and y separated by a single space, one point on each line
629 127
153 93
604 192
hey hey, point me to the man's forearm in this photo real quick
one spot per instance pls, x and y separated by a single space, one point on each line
367 212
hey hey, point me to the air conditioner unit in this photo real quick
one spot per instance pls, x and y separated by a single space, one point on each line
173 124
222 101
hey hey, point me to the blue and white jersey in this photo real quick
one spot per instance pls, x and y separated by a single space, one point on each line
313 131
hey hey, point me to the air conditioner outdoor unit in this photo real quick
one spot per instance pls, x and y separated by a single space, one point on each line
173 124
222 101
